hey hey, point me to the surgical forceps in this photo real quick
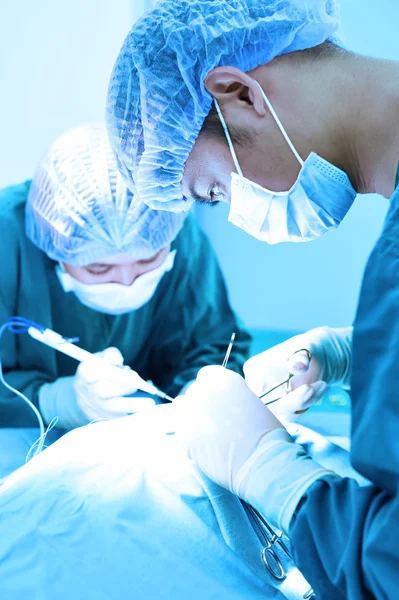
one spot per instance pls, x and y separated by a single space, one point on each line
229 347
287 381
269 556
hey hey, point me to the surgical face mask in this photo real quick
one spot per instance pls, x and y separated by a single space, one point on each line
115 298
315 204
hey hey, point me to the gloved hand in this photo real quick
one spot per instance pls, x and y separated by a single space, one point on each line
95 392
330 363
238 443
100 393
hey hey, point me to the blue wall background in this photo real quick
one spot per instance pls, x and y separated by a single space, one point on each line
297 287
55 62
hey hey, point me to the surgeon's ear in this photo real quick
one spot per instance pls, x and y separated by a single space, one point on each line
227 84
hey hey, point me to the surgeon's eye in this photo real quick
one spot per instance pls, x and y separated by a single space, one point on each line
215 194
99 269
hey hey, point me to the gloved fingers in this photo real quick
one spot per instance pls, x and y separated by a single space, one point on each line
90 371
111 355
271 367
309 375
94 412
93 370
112 408
299 362
107 388
264 371
125 406
186 387
319 388
299 399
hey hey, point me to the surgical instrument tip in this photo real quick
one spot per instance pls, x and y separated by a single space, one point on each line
229 347
156 392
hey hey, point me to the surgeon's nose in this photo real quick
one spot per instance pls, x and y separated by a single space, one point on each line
127 274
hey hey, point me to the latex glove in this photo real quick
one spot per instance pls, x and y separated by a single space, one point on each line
100 394
330 364
238 443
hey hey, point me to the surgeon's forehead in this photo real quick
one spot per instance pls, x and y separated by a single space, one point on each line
122 258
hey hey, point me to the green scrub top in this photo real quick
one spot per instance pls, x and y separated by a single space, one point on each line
186 325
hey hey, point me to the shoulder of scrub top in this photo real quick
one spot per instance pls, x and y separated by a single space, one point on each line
15 247
12 212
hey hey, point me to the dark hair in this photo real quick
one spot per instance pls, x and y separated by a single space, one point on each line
212 128
240 136
320 52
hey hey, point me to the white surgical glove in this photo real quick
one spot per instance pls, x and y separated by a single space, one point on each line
330 364
93 393
238 443
101 394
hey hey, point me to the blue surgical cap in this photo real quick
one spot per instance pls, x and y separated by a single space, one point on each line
79 209
157 101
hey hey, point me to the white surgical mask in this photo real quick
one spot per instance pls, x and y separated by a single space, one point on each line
315 204
115 298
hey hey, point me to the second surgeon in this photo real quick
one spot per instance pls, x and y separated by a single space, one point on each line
86 259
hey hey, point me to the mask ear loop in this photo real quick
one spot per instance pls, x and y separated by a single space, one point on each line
228 138
280 125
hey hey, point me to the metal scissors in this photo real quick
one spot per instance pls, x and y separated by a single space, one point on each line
269 537
269 556
286 381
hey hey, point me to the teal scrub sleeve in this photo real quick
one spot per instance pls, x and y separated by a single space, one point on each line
14 412
346 537
344 540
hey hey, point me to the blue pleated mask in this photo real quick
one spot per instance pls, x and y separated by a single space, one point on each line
316 203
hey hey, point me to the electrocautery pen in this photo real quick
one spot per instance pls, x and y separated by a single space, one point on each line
125 373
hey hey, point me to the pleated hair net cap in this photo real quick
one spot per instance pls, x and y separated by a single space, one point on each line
79 209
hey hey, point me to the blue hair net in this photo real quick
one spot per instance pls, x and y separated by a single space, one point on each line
79 209
157 101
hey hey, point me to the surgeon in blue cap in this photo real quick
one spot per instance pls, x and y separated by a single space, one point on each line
86 258
258 105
